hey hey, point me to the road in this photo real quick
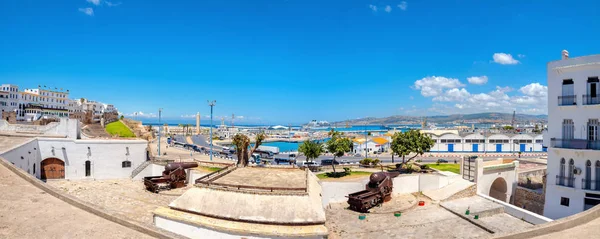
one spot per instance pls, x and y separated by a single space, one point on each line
201 140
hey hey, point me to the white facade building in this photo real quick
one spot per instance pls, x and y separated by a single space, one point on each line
9 98
488 143
33 104
573 180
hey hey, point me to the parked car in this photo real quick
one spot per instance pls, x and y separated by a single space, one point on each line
329 162
312 163
442 161
345 161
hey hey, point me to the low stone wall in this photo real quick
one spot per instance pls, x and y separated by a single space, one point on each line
469 192
518 212
531 200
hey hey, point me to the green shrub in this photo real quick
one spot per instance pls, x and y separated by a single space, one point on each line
425 166
375 161
366 161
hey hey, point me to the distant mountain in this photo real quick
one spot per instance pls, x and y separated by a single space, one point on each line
492 117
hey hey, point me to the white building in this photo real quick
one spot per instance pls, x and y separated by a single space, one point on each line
42 102
9 98
377 144
61 154
488 143
573 180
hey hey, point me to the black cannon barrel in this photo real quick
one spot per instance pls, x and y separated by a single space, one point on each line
380 176
186 165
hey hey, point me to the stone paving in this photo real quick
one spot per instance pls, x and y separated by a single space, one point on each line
125 197
266 177
429 221
28 212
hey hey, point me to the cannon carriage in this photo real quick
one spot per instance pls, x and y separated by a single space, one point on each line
378 191
173 176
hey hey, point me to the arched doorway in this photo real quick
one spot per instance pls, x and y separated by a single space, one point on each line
52 168
499 189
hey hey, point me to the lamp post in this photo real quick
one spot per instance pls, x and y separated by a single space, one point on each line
159 112
366 140
211 104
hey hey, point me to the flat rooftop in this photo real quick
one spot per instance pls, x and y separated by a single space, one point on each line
265 177
8 142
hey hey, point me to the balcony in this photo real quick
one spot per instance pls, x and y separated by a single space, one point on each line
565 181
567 100
593 185
591 100
575 144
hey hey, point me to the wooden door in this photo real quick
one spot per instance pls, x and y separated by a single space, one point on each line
53 168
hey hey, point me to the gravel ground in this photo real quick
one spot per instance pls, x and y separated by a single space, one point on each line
125 197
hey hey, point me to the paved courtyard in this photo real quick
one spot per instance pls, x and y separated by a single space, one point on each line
125 197
266 177
29 212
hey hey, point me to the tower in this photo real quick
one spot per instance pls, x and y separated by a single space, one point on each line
198 123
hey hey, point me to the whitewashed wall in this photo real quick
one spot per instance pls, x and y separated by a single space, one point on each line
25 156
105 156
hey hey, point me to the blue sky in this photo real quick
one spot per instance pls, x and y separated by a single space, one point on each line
277 61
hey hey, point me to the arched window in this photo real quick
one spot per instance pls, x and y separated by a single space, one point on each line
126 164
588 175
571 173
88 168
561 172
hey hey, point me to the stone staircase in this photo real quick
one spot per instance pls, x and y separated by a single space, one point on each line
139 169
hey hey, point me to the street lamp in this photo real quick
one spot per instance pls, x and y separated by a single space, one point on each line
211 104
366 140
159 113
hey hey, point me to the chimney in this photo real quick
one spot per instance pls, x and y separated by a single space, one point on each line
565 54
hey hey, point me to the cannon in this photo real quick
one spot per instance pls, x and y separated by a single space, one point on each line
378 191
173 176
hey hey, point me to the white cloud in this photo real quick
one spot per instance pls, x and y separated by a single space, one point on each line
373 7
95 2
454 94
411 97
111 4
521 55
388 8
140 114
534 89
529 99
403 5
478 80
87 11
504 59
434 85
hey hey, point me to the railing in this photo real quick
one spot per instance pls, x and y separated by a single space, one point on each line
590 100
589 184
567 100
565 181
238 187
575 144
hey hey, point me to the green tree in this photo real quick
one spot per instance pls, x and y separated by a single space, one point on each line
258 140
311 149
412 141
122 117
337 145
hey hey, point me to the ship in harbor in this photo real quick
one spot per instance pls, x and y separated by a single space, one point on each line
317 125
